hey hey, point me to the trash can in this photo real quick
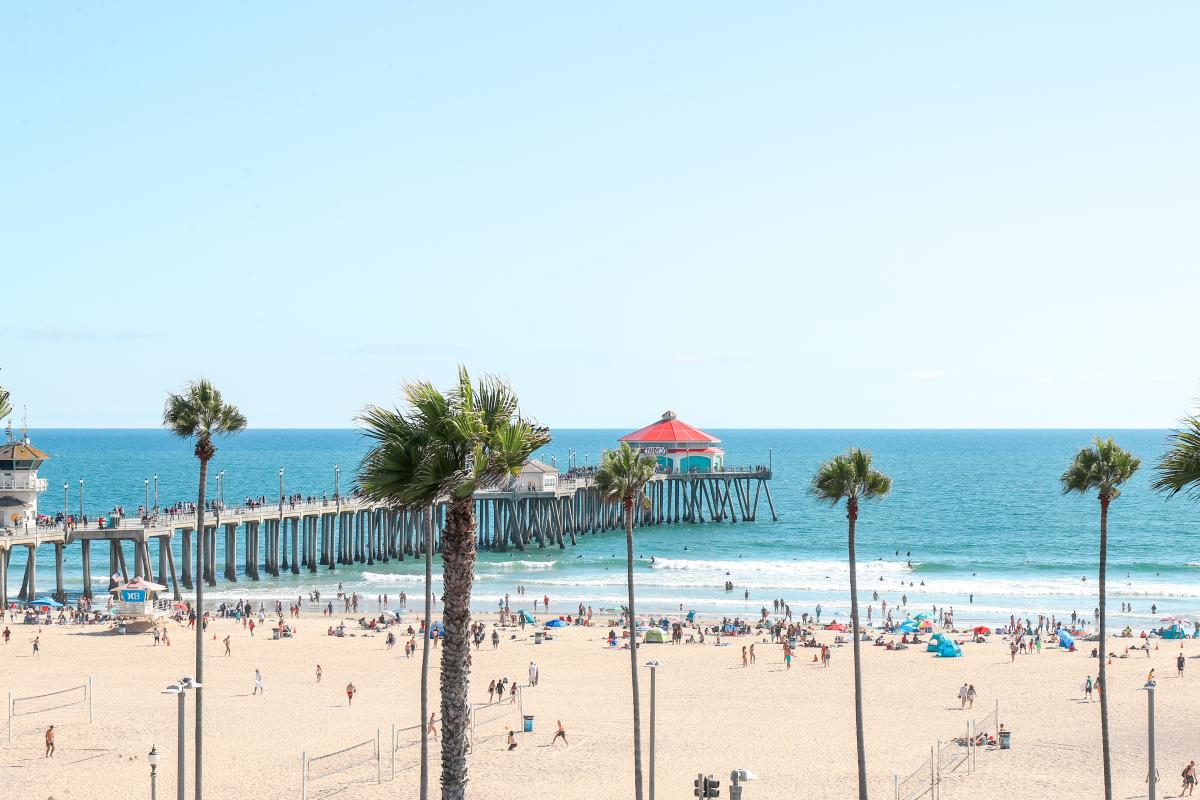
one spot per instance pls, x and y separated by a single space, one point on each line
528 723
275 633
1005 740
537 637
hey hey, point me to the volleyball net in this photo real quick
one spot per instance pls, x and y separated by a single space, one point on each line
76 699
332 771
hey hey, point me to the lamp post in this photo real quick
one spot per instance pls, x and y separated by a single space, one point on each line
337 504
146 505
770 458
156 494
281 491
1152 775
81 499
179 689
66 506
653 665
152 757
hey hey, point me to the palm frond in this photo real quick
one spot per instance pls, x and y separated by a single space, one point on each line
851 477
1103 467
200 413
5 403
1179 468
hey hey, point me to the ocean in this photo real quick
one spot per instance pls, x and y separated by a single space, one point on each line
980 512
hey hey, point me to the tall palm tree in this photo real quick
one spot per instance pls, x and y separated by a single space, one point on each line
851 477
441 448
199 413
622 477
5 405
1104 467
1179 468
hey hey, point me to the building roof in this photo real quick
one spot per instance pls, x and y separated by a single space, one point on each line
669 429
20 451
533 465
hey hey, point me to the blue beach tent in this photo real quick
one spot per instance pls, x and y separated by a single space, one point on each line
1065 639
909 626
527 618
556 623
948 649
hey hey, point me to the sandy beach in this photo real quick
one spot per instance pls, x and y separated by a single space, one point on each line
793 729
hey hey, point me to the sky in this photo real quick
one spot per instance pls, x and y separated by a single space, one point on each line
786 214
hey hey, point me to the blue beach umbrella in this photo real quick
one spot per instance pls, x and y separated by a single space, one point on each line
46 601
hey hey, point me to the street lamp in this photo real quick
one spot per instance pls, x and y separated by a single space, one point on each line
770 458
66 506
1152 775
653 665
156 494
146 505
81 499
281 491
152 757
179 688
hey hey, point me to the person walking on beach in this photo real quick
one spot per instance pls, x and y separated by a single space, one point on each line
752 654
1087 689
533 675
258 686
495 640
971 696
1179 664
37 645
50 742
1189 779
319 673
512 740
7 633
226 645
787 656
745 657
560 734
491 690
350 690
433 725
962 697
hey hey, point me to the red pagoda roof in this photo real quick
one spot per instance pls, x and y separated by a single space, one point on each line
669 429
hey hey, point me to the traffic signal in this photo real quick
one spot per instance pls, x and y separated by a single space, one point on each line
712 787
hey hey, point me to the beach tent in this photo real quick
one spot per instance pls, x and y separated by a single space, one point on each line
437 628
46 601
527 618
556 623
653 636
1065 639
948 649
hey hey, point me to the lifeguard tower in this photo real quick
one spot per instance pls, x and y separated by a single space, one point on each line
19 481
677 446
137 602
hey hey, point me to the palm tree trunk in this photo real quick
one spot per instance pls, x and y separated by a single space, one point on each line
199 759
458 566
1104 745
425 659
858 687
633 659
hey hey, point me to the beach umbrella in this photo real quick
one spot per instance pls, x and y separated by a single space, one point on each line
46 601
921 616
981 629
926 625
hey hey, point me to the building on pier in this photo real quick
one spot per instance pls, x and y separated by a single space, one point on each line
677 446
19 481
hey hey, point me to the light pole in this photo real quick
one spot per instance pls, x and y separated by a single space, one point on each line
152 757
156 494
81 499
770 458
1152 775
653 665
146 505
66 506
337 505
281 491
179 689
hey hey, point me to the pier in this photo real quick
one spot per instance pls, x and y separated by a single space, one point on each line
319 535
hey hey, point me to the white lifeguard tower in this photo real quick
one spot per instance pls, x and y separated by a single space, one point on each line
19 481
137 601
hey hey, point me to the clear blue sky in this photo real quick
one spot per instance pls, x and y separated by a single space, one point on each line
792 215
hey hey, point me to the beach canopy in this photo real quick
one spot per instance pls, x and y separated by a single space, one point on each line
556 623
981 629
527 618
1065 639
948 649
653 636
46 601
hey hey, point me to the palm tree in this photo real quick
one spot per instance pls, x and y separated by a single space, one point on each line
622 477
441 448
199 413
5 405
1179 468
1104 467
850 477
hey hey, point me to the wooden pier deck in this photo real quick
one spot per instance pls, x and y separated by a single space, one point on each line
308 536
